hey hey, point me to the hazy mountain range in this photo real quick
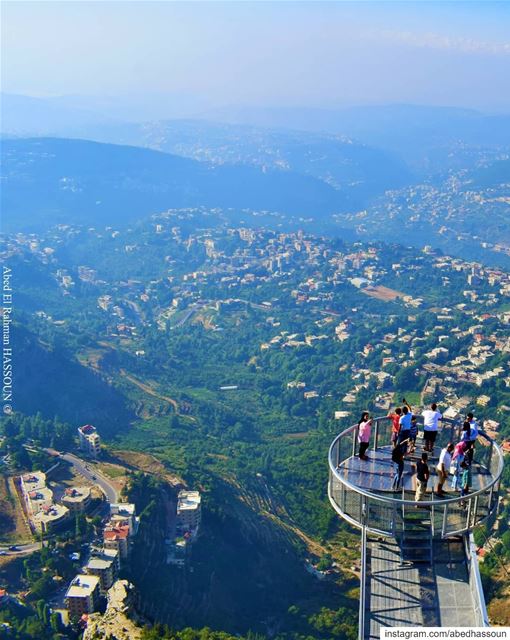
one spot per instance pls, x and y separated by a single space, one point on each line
328 167
427 138
49 181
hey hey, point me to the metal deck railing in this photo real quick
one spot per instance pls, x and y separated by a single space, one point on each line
383 512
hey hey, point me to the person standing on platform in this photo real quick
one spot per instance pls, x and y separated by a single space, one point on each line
443 468
473 436
395 425
397 459
364 430
458 456
422 477
465 434
431 419
413 433
465 479
405 425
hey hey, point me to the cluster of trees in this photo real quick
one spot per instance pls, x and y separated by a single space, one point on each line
163 632
41 575
47 433
27 622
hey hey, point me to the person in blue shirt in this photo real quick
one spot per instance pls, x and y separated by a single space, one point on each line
405 424
465 435
413 433
473 436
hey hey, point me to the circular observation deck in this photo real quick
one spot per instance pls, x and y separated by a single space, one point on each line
361 490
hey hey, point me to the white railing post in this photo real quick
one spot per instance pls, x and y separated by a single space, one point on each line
363 573
445 517
469 510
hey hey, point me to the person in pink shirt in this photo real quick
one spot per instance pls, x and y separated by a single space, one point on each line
364 430
459 454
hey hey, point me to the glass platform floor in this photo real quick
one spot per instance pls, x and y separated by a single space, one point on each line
376 473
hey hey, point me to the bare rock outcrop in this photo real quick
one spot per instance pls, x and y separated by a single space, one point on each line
119 621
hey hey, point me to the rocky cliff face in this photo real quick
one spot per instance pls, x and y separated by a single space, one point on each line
119 621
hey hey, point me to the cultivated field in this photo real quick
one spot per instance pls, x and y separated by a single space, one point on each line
383 293
13 527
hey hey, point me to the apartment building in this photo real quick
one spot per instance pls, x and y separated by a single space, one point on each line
82 595
117 537
188 512
90 442
76 499
105 568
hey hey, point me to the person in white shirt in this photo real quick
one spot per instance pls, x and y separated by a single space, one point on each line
443 467
431 419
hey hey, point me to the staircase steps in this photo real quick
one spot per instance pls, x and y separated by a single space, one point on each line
416 537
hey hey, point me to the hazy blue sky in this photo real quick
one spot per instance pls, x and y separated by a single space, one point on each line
286 53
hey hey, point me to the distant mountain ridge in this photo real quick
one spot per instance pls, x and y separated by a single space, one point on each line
48 181
341 162
335 159
428 139
388 126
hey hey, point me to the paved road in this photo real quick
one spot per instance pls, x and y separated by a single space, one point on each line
93 475
21 549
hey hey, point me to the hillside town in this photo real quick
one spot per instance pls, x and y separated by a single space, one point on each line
452 314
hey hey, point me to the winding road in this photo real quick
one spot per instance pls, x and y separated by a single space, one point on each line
93 475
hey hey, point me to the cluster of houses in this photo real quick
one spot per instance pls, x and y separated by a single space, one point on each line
46 515
261 257
101 571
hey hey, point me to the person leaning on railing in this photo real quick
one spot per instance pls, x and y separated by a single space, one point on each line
405 424
364 430
465 480
458 456
472 435
431 419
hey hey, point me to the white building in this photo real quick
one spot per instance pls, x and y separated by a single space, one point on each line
50 518
125 512
43 513
105 568
188 512
90 441
76 499
82 595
